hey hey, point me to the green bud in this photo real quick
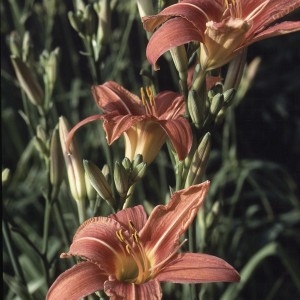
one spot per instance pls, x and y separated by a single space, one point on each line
138 172
199 161
99 182
49 63
27 81
121 179
56 160
137 160
196 108
228 97
90 20
179 57
145 8
217 103
127 164
103 10
76 22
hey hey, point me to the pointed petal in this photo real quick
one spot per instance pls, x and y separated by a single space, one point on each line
272 11
96 241
136 215
180 135
278 29
167 223
81 280
111 96
130 291
169 105
115 125
198 268
78 125
173 33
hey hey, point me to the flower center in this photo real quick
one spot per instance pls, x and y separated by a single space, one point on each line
147 97
135 263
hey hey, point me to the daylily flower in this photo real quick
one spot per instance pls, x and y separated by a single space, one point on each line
146 123
223 27
127 255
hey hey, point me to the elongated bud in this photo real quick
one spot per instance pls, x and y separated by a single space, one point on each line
127 164
235 71
138 172
73 163
56 160
145 8
90 20
99 182
179 57
49 62
76 22
103 10
27 81
121 179
216 104
199 161
196 107
137 160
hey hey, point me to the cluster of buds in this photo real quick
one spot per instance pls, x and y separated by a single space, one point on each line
92 23
126 174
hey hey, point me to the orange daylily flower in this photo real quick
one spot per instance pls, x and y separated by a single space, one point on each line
223 27
145 123
128 255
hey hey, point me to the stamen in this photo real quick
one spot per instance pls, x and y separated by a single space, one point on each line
120 235
147 97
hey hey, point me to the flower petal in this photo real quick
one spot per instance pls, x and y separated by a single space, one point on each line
167 223
115 125
173 33
127 291
111 96
278 29
96 240
136 215
81 280
180 135
198 268
169 105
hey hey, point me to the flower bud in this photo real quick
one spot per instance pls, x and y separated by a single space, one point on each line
216 104
138 172
27 81
121 179
73 163
56 160
196 108
179 57
49 62
98 181
199 161
145 8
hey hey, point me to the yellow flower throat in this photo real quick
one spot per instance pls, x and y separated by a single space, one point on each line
134 266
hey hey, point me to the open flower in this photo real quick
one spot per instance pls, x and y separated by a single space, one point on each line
146 123
127 255
223 27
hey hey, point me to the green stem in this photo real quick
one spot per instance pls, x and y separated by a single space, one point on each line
12 255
